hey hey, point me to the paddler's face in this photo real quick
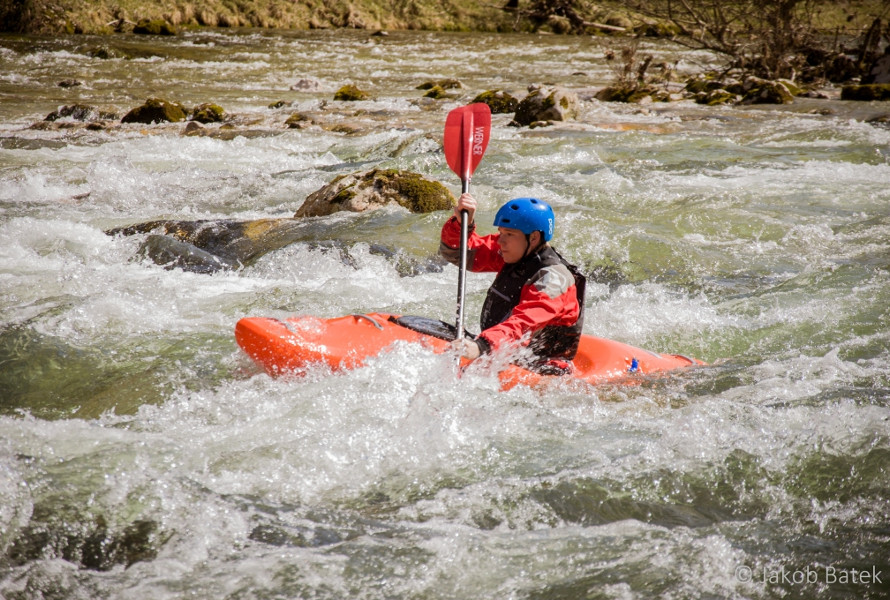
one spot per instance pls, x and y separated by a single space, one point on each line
513 244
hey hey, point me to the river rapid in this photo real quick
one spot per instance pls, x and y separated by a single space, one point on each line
142 455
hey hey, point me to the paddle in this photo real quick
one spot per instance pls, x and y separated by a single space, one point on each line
467 130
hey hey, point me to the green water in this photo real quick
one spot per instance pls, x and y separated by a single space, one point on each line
142 455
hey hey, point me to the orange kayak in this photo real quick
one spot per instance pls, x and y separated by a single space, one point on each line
291 345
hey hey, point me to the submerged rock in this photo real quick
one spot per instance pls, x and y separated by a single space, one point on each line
208 246
79 112
156 110
376 188
172 253
85 540
298 120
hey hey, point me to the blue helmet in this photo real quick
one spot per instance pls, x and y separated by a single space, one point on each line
526 215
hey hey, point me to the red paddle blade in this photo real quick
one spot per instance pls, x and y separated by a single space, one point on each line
467 130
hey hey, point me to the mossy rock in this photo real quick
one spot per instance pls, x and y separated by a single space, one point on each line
792 87
632 94
350 93
445 84
544 104
156 110
716 97
703 83
154 27
764 91
208 113
369 190
499 101
866 92
436 92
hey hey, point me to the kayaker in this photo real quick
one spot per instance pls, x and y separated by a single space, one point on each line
535 303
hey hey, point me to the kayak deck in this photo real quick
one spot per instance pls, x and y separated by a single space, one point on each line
291 345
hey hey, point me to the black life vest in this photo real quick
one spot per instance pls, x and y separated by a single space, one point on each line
552 341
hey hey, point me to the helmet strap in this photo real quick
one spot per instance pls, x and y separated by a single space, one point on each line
528 244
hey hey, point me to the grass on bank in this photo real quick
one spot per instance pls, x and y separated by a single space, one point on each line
104 16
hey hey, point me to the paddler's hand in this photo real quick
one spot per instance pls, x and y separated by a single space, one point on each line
468 203
466 348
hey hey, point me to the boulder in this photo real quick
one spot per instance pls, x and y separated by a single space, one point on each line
369 190
707 82
867 92
194 129
716 97
546 104
712 90
499 101
156 110
208 113
633 94
765 91
350 93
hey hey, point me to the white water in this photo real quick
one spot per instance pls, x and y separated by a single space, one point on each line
753 238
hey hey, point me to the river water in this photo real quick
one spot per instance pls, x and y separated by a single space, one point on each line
142 455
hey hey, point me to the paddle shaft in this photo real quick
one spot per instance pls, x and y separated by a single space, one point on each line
462 264
466 167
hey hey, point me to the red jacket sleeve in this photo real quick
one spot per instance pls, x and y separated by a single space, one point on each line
482 251
549 298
